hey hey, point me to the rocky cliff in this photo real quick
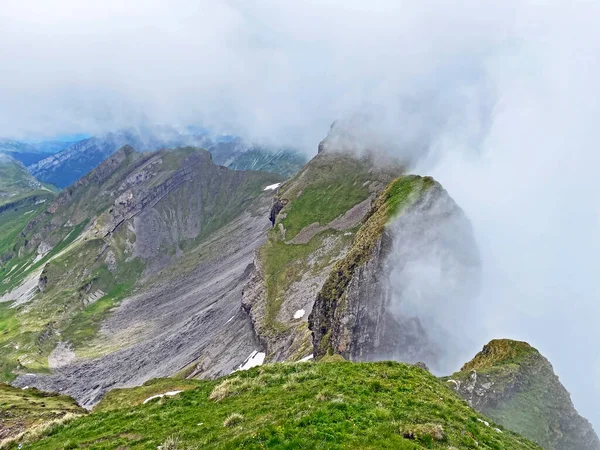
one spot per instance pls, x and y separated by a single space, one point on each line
315 218
512 383
363 310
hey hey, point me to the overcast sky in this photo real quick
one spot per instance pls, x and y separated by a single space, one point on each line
498 99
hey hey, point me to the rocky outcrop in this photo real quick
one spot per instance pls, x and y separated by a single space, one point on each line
315 216
512 383
365 310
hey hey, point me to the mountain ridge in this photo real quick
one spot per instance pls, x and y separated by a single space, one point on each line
511 382
165 264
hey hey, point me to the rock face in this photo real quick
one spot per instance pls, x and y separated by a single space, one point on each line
512 383
164 241
315 217
367 309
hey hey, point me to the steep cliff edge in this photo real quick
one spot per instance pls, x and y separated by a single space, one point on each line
512 383
363 311
315 216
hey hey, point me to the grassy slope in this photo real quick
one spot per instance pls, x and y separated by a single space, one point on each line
327 188
22 409
330 405
15 213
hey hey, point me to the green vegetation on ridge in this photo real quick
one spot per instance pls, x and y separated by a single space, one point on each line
397 195
335 405
520 391
327 188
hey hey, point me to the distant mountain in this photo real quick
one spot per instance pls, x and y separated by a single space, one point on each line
237 155
14 178
70 164
30 153
21 198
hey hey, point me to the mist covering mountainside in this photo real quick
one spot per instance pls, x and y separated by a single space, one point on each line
165 264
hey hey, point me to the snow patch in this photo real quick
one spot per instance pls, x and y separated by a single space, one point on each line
307 358
229 320
299 314
255 359
168 394
272 187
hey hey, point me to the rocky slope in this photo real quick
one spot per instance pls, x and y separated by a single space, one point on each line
512 383
337 273
21 198
315 218
362 311
171 227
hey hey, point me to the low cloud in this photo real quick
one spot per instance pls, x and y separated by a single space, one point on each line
497 100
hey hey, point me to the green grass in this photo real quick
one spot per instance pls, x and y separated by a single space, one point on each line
330 191
22 409
23 266
14 177
30 332
15 214
84 326
284 264
335 405
501 352
9 328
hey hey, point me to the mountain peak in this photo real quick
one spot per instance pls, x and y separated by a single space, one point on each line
512 383
500 351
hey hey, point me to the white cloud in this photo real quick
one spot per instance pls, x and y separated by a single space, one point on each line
502 94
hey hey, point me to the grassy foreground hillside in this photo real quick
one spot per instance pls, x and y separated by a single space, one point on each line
22 409
330 405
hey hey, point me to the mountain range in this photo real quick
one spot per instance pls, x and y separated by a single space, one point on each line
74 161
179 297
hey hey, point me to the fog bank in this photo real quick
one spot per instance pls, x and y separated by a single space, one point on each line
497 100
